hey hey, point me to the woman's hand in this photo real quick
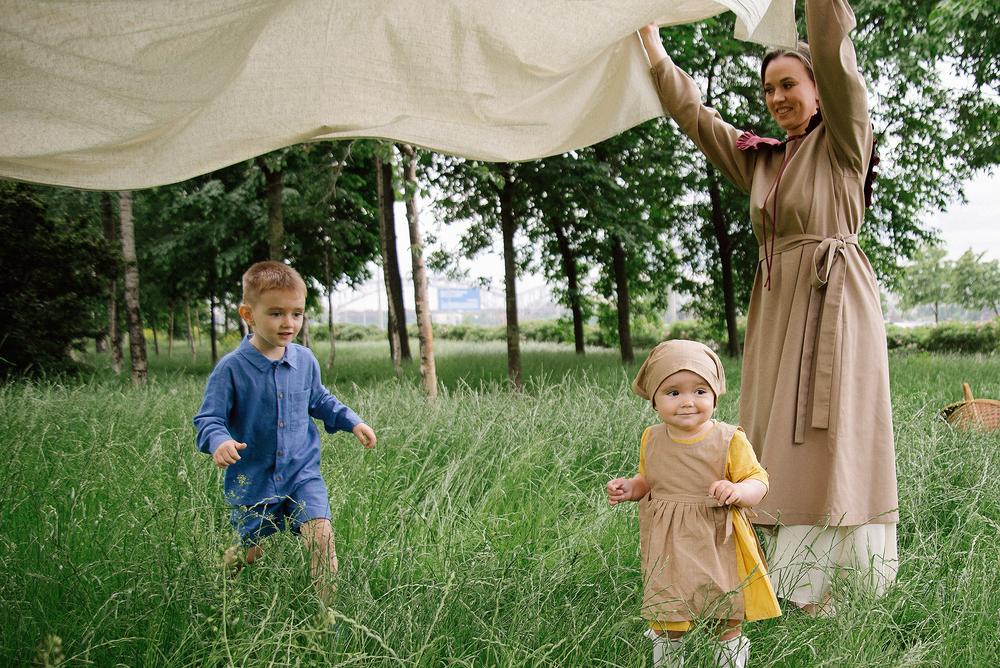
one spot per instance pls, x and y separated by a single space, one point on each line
649 35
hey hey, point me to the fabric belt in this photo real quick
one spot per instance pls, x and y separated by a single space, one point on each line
724 532
826 298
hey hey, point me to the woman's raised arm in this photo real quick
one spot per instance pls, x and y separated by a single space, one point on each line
843 98
681 100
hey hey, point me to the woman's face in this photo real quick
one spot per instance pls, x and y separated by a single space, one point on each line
790 94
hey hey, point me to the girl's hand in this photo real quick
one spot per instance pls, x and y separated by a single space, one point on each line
620 489
726 492
747 493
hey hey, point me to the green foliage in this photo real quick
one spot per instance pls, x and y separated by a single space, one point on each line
646 333
348 332
970 282
927 280
331 211
476 533
975 282
933 133
54 269
708 332
949 337
729 81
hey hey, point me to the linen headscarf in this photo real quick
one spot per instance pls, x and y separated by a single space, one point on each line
679 355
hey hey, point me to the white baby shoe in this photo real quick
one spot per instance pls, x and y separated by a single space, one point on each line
667 653
733 653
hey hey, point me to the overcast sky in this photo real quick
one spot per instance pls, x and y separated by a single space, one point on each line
974 225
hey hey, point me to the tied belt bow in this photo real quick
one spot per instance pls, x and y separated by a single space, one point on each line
823 321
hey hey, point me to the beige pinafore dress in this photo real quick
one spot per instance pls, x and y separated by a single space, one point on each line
686 535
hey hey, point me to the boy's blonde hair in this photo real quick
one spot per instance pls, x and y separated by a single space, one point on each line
270 275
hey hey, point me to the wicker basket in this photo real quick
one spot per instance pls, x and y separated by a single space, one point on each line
973 413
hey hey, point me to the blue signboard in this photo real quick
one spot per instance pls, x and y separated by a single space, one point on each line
458 299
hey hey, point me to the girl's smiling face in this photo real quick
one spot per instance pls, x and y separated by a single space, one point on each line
790 94
685 402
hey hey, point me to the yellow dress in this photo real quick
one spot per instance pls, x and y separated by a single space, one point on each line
758 594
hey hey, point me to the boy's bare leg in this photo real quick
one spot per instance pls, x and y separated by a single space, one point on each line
318 535
234 558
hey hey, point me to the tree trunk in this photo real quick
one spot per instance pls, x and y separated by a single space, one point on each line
170 331
244 328
136 338
395 278
572 284
156 342
213 336
329 307
508 227
114 331
725 243
621 290
387 241
304 333
100 342
274 183
428 368
190 331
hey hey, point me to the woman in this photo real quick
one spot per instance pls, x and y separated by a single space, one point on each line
814 398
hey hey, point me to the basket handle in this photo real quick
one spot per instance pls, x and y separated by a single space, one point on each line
967 391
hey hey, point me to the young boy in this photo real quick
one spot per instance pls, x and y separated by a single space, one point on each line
255 422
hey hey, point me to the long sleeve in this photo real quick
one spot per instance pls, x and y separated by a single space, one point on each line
212 420
714 137
843 98
335 415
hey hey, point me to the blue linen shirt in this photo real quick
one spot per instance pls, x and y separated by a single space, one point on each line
268 405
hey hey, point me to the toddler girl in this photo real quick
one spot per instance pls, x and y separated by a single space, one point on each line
700 557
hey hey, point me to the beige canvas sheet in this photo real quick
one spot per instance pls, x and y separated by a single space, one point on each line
122 94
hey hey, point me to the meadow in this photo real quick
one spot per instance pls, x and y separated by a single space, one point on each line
477 533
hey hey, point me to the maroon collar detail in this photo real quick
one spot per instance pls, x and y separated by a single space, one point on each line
748 141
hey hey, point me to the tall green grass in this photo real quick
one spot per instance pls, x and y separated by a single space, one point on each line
476 533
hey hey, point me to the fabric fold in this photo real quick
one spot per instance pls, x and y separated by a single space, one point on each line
118 96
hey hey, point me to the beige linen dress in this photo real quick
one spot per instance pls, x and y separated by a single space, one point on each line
687 538
814 398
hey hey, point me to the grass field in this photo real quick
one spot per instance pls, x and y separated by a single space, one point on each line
476 533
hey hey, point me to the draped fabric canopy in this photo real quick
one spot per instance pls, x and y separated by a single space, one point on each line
123 94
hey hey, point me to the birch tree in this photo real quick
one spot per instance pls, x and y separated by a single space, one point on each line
428 369
136 337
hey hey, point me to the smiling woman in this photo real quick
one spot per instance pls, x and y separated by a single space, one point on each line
790 88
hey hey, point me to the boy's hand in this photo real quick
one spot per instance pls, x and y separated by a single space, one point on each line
619 490
365 435
726 492
228 453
